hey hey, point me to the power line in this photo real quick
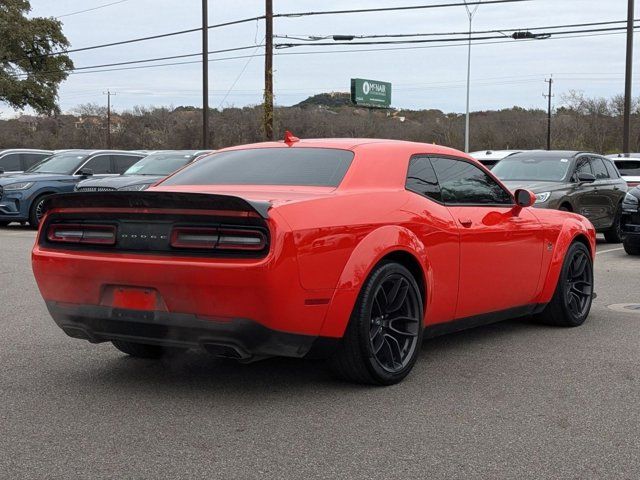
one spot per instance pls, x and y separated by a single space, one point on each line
432 40
154 37
390 9
257 18
324 52
251 57
315 38
227 50
91 9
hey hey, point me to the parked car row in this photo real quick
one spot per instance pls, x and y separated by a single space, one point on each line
23 194
580 182
628 165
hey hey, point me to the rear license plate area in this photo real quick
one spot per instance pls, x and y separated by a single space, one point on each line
132 298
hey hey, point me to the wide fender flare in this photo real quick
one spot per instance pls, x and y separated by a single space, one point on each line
364 257
571 230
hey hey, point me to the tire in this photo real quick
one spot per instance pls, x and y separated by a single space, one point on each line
564 208
614 234
570 305
630 249
35 212
4 224
142 350
383 338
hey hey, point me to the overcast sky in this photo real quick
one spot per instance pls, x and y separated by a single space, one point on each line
503 74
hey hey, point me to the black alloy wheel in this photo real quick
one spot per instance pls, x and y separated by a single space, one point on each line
571 301
395 323
37 211
579 287
384 335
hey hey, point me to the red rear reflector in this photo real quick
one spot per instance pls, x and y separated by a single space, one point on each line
92 234
219 239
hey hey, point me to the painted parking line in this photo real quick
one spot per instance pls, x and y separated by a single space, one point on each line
610 250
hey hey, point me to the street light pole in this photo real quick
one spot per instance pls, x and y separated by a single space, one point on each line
549 96
109 94
470 14
626 134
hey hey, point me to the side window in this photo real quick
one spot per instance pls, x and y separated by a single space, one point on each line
100 164
611 168
583 166
421 178
599 170
30 159
123 162
11 162
462 182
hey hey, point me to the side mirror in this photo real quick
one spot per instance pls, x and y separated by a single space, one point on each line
85 172
584 177
524 198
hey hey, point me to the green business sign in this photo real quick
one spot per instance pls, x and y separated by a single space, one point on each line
370 93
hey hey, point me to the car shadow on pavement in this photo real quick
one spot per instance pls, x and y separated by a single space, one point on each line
196 371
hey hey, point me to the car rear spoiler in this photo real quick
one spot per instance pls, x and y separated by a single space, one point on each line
156 200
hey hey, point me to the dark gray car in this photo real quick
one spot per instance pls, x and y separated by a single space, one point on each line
581 182
145 173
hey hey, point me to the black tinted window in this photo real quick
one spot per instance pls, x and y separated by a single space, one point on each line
583 166
10 162
123 162
30 159
268 166
422 179
599 170
463 182
613 171
628 167
100 164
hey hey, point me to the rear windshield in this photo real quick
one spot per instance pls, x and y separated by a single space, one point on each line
318 167
525 166
628 168
62 163
160 163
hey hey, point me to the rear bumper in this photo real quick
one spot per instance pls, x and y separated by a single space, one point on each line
238 338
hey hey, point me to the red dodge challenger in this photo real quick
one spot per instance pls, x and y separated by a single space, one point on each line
351 249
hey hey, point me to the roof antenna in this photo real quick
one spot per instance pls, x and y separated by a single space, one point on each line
290 138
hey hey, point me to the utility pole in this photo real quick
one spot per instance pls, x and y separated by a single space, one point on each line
626 134
109 94
549 96
268 72
470 14
205 75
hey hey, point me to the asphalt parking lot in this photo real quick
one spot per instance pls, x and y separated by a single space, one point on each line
511 400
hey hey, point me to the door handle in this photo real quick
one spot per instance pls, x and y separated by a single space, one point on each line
465 222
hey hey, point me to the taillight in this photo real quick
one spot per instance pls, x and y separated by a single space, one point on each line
193 237
91 234
218 239
242 240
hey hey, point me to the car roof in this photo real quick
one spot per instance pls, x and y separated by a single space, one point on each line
621 156
25 150
493 154
356 144
624 159
80 151
551 153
